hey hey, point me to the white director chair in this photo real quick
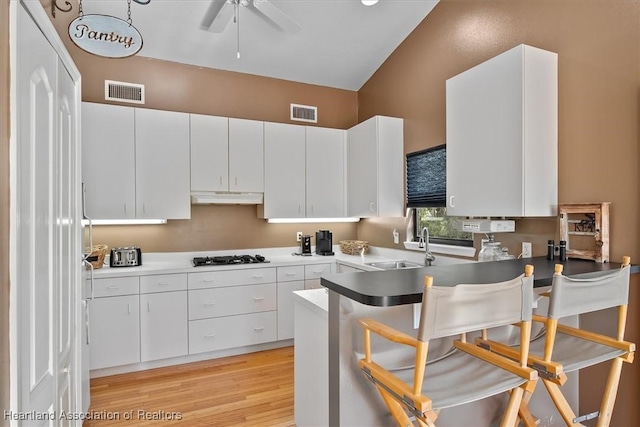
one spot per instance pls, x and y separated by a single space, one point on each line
565 349
469 373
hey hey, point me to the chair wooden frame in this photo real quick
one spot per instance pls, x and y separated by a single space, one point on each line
552 373
401 397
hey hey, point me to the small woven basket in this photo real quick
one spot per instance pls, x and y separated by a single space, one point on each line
96 258
354 247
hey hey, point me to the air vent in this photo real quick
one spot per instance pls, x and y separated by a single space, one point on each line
304 113
123 92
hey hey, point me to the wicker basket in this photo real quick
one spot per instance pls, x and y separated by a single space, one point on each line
354 247
96 258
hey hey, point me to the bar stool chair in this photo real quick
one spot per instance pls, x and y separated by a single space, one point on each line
567 349
469 373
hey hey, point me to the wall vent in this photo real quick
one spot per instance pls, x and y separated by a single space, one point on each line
304 113
123 92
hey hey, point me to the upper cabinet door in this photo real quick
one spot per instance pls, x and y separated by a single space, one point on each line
209 153
363 170
162 164
284 186
108 161
246 156
325 184
502 136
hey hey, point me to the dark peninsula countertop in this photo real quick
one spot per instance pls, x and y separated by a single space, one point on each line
397 287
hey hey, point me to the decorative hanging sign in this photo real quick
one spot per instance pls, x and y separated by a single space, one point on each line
105 35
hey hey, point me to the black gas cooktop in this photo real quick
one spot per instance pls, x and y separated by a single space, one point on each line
228 260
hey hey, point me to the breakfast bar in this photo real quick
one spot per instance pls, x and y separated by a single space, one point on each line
390 294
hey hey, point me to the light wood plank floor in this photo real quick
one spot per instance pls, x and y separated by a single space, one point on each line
247 390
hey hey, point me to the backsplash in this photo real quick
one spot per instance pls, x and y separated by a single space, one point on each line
215 227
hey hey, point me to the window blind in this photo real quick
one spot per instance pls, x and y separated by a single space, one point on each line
427 178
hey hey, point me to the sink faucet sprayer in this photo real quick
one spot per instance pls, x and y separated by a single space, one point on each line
424 243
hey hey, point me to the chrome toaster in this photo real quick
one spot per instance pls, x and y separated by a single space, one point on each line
130 256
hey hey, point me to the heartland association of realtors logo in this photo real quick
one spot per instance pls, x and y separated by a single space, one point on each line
105 35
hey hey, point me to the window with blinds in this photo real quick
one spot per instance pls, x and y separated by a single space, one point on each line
427 178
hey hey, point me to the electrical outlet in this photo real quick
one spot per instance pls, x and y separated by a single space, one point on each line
299 236
526 249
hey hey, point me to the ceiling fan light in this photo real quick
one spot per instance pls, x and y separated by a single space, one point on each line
369 2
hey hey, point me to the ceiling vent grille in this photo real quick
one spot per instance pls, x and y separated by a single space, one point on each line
123 92
304 113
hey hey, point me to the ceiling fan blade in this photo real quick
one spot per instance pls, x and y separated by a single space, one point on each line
276 15
217 16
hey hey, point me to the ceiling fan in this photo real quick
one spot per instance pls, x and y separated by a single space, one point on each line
220 12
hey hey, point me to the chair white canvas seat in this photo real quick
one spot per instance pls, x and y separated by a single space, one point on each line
461 378
575 353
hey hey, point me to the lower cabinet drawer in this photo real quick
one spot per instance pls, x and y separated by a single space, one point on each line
232 331
232 300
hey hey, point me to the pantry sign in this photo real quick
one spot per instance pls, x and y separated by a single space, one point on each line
105 35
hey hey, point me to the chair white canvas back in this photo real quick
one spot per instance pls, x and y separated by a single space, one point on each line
570 296
464 308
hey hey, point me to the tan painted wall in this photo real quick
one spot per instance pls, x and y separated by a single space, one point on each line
179 87
598 44
4 207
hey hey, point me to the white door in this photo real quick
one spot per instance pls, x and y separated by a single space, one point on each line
108 161
362 169
325 172
36 210
209 153
162 164
284 180
246 156
67 248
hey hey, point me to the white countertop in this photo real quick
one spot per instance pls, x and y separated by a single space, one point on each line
180 262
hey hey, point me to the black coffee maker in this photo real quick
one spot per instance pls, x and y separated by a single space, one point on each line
324 242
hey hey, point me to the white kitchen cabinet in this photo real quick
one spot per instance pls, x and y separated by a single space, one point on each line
135 163
108 161
163 325
162 164
232 331
289 280
209 153
312 274
284 177
375 168
114 331
502 136
231 300
304 172
246 156
325 172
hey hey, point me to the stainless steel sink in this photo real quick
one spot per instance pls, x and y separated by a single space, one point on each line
394 265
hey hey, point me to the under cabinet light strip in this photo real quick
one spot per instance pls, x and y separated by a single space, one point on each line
309 220
125 221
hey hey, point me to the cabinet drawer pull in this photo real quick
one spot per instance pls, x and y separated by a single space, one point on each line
291 274
451 199
317 272
220 179
259 329
209 304
236 181
125 208
113 287
163 283
129 308
258 299
371 207
149 306
258 276
210 335
209 280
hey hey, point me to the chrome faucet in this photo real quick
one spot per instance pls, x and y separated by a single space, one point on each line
424 243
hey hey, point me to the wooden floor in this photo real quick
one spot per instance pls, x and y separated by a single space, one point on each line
248 390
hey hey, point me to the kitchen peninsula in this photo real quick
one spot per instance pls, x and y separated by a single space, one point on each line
352 401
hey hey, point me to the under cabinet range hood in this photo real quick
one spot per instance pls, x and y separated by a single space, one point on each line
226 198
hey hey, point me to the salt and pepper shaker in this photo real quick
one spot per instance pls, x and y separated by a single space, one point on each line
563 250
550 245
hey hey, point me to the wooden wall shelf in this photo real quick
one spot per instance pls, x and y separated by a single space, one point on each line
589 223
